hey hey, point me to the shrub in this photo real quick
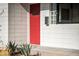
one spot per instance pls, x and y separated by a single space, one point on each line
12 47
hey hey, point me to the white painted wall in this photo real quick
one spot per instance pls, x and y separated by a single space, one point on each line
3 25
18 23
58 35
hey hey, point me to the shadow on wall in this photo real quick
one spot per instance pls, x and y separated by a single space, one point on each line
24 5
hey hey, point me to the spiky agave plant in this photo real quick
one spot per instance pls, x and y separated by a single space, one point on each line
12 47
25 49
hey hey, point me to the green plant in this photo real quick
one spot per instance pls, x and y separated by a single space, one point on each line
25 49
12 47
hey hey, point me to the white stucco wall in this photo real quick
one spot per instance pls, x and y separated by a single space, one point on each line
58 35
3 24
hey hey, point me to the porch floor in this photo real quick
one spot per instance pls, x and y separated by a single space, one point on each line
47 51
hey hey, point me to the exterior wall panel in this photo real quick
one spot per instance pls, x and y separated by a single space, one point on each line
58 35
18 15
3 24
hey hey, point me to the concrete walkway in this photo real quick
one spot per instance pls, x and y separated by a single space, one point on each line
47 51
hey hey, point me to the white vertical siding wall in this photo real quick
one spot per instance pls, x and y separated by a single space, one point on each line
18 15
58 35
3 25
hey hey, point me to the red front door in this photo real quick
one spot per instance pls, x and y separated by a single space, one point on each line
35 24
